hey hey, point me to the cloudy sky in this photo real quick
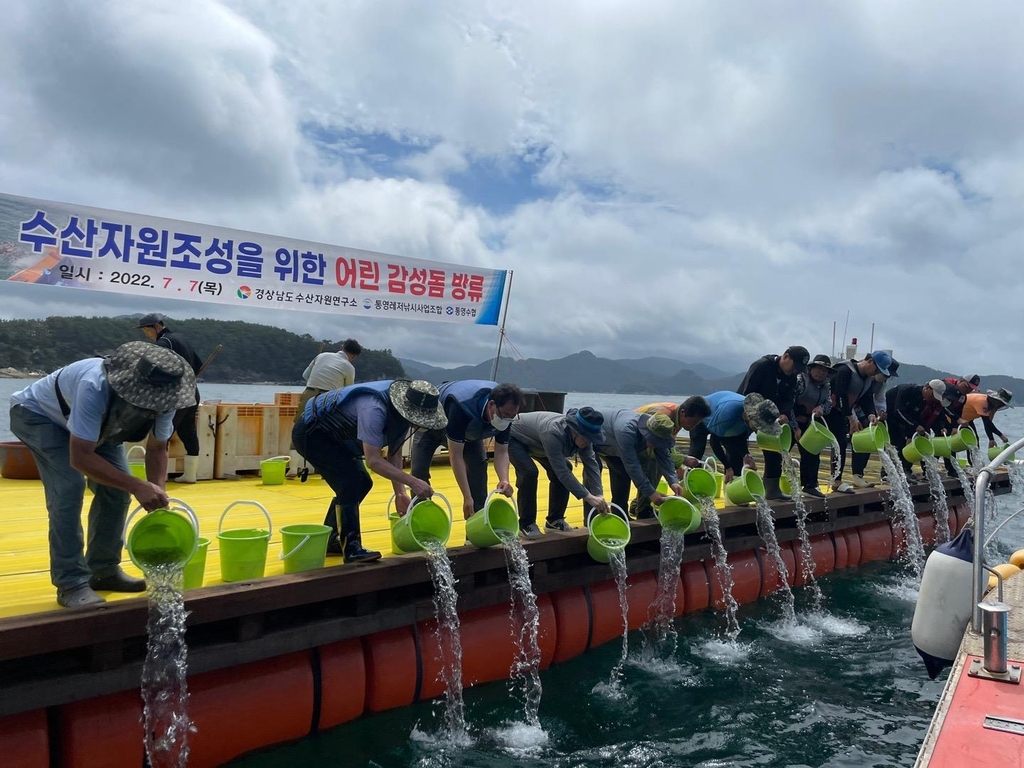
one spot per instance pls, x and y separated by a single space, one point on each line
708 181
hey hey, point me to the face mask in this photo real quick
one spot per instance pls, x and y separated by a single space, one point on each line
500 423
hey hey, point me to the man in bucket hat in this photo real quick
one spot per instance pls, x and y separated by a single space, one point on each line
341 429
733 417
553 441
74 421
637 447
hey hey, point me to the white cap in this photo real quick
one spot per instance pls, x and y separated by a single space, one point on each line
939 390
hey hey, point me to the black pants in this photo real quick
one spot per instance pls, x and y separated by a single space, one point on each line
527 476
728 450
340 464
185 426
622 483
425 444
899 433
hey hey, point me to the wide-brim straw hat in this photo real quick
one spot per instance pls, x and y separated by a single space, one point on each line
418 402
151 377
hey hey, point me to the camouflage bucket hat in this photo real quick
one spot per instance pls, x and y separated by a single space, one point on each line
761 414
151 377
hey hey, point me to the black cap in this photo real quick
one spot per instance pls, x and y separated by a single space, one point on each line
151 319
800 357
893 367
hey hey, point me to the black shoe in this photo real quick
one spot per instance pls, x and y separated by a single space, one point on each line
118 581
813 490
355 553
334 545
78 597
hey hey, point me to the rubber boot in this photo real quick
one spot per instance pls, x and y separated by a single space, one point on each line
354 551
772 492
189 475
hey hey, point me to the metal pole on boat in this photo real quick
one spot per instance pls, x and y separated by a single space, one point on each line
833 339
501 330
871 346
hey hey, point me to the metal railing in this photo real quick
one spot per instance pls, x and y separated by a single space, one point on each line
979 579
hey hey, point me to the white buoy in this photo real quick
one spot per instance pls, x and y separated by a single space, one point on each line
944 603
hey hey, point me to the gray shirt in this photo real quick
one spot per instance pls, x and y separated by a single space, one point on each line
546 435
624 440
330 370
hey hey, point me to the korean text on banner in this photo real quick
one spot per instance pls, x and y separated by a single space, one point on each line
73 246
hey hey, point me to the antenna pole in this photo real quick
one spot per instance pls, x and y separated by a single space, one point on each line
847 325
833 338
501 330
871 346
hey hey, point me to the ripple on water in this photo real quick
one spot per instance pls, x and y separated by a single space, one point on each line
522 739
901 589
727 652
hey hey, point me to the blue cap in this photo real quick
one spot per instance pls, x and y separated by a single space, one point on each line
883 360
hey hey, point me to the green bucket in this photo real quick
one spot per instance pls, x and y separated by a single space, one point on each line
712 466
162 537
871 439
137 462
678 514
426 520
304 547
608 533
941 446
698 484
744 488
963 439
780 443
499 514
917 448
273 470
243 551
195 568
995 450
817 437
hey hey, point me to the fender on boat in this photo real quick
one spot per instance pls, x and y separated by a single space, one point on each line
772 578
746 579
852 538
944 603
25 740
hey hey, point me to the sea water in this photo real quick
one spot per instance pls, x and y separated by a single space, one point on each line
903 505
661 618
613 688
804 554
938 496
722 570
766 530
165 717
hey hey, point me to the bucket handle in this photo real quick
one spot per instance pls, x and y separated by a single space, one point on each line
611 506
416 500
220 525
173 505
713 462
295 549
487 512
285 459
133 449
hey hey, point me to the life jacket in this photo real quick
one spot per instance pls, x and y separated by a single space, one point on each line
975 406
471 395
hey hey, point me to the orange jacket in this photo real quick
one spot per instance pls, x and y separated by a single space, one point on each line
976 406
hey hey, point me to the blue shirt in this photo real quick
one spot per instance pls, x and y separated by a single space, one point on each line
360 412
83 385
726 419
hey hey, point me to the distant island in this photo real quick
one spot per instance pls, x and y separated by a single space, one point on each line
252 353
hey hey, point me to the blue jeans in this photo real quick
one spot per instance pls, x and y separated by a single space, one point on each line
71 565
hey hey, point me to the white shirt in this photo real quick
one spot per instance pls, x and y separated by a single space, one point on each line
330 370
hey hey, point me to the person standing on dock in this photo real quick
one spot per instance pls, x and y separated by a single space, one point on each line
733 417
687 415
813 401
984 406
74 421
476 410
913 408
343 432
637 447
328 371
155 329
854 390
553 441
774 378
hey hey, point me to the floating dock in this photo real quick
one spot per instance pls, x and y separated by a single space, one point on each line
278 658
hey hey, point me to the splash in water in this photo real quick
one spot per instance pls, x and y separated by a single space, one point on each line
966 484
805 554
165 671
663 609
448 640
525 675
613 689
723 571
903 505
1016 470
766 530
939 504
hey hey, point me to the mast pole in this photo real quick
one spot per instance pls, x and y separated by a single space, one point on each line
501 330
871 346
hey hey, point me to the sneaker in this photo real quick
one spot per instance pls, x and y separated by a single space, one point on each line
860 482
558 525
355 553
118 581
78 597
812 490
531 531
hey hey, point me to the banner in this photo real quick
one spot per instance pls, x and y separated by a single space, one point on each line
70 246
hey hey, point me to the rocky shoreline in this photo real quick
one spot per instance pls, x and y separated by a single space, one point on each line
14 373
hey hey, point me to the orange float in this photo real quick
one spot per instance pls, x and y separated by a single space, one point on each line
547 636
607 613
25 740
842 551
926 523
239 709
852 538
876 542
391 669
772 581
572 622
342 668
746 579
963 515
696 587
118 717
824 554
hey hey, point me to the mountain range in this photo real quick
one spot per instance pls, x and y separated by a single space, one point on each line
585 372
